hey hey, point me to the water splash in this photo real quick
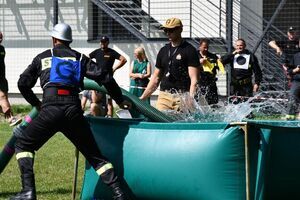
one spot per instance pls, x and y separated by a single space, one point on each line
268 105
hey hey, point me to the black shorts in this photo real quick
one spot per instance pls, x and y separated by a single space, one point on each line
3 85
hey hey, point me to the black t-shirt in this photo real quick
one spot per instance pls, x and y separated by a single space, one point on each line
105 59
2 64
174 62
289 47
295 63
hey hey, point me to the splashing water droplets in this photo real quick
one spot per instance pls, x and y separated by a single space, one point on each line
265 105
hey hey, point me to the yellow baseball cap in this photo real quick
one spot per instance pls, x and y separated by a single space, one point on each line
172 23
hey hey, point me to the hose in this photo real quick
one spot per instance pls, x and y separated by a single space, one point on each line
137 105
9 149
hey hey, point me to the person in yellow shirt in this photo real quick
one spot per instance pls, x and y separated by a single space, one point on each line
208 71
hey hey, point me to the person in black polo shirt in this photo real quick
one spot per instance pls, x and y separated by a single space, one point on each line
286 49
105 58
294 98
243 64
177 69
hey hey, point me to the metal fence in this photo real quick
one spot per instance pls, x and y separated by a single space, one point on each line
25 24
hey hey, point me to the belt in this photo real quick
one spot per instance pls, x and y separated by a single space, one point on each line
243 81
174 91
48 92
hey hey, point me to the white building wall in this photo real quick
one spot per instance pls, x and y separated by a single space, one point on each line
200 18
26 32
15 66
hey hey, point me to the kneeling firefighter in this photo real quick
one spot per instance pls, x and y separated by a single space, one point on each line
61 71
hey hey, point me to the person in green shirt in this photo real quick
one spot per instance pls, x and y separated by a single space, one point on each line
139 73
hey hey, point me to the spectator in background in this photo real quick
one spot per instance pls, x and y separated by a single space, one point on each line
177 68
4 103
105 58
286 49
294 99
208 71
139 73
97 101
243 65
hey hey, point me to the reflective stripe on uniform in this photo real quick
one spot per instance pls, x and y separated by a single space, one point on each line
138 87
24 155
104 168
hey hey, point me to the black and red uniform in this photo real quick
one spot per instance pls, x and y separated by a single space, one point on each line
61 109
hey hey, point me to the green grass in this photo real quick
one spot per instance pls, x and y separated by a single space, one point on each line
21 109
54 166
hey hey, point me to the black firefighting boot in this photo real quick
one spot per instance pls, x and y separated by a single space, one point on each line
118 193
28 191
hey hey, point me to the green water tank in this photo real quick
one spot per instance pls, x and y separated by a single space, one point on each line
170 160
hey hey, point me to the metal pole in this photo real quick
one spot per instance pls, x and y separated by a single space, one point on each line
229 36
191 14
149 18
278 9
75 174
229 25
220 18
55 12
247 162
244 126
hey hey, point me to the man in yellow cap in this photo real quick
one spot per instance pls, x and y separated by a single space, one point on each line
176 69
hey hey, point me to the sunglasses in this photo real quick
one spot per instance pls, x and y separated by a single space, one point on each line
170 30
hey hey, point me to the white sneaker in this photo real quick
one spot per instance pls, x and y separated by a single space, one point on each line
15 121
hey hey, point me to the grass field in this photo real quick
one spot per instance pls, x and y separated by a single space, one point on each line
54 166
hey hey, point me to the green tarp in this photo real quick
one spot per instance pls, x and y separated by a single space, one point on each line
198 160
170 160
278 160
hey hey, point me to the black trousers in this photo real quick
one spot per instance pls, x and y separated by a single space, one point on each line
294 98
242 89
67 118
210 91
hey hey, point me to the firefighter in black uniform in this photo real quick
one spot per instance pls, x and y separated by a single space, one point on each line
61 71
243 65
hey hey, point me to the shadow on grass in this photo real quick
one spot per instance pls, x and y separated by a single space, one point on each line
57 191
